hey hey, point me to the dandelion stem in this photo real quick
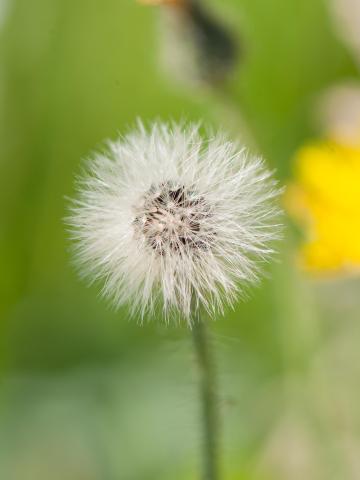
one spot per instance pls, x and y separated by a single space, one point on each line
208 396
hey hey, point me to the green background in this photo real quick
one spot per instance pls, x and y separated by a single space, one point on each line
87 394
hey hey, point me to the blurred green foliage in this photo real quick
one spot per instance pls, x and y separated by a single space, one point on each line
85 393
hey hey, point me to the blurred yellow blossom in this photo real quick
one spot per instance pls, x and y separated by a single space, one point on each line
325 199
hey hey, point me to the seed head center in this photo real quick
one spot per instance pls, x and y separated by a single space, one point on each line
171 219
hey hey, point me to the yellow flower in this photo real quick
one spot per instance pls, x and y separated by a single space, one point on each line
325 198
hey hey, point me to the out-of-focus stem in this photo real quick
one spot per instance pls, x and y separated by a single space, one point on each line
209 401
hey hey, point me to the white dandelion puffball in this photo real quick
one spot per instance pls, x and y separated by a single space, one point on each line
165 216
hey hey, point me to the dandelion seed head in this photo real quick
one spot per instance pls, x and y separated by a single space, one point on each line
164 216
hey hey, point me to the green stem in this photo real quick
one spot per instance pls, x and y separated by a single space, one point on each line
208 397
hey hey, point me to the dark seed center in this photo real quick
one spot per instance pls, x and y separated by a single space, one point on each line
172 218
